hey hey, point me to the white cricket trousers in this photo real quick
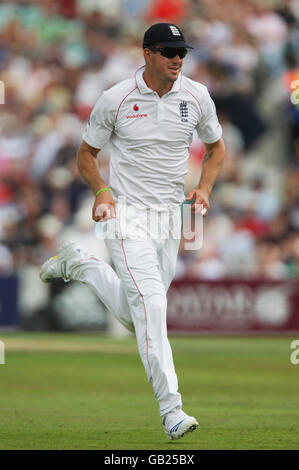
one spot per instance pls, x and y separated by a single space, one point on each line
136 292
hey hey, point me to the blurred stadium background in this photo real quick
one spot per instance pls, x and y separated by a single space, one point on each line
56 57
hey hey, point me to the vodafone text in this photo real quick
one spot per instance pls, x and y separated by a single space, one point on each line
136 116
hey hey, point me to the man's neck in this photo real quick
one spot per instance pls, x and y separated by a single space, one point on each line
154 83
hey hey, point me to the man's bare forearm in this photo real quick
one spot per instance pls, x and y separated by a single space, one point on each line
211 165
86 162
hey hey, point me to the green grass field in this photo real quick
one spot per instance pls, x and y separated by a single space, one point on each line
89 391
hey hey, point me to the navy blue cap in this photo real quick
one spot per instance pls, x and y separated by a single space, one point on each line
164 35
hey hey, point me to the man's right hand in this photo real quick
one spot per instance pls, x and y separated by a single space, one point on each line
104 207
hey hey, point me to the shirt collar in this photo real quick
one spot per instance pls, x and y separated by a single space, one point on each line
143 88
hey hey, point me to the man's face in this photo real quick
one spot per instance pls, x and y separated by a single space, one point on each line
167 69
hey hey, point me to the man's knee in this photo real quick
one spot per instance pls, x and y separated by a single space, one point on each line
156 303
156 307
149 308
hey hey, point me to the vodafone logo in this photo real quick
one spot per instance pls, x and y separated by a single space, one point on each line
138 115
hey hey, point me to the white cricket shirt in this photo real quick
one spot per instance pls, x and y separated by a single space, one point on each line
150 137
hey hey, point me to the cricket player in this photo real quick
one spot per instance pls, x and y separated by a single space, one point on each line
148 121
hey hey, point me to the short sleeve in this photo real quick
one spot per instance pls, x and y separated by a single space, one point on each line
100 124
208 129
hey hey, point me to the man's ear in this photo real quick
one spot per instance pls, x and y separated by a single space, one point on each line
146 54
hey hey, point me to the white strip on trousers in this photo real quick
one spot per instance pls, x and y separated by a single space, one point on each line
136 295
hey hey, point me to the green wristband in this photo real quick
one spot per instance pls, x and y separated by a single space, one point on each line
100 190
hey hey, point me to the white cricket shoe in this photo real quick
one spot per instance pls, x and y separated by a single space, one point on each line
177 423
68 255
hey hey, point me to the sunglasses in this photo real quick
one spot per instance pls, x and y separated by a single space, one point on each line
170 52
